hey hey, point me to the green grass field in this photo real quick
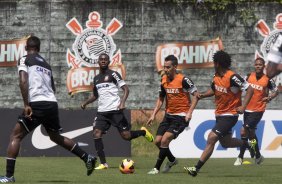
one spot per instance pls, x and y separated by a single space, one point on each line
72 170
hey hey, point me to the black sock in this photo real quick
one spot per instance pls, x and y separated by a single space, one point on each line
242 148
199 165
79 152
257 149
99 146
137 133
170 156
162 155
10 167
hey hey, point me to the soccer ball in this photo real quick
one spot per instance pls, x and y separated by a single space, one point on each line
126 166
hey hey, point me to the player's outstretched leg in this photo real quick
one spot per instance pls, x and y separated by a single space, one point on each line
148 134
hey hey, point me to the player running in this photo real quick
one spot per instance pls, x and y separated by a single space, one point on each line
174 89
110 108
255 109
274 66
40 107
226 87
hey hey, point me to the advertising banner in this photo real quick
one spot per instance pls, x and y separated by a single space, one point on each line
192 141
76 124
11 51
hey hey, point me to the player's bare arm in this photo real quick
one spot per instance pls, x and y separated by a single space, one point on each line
88 101
206 94
249 94
271 96
24 91
125 90
194 102
159 104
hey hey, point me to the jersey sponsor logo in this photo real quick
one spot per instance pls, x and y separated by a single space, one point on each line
43 70
103 85
257 87
11 51
220 89
189 82
269 39
172 91
88 45
238 81
189 54
116 77
41 141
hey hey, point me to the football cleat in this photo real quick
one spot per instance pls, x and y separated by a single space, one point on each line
191 171
148 135
168 166
259 160
102 166
154 171
5 179
90 164
238 161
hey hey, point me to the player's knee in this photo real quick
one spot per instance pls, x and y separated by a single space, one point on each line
165 142
243 132
97 133
212 138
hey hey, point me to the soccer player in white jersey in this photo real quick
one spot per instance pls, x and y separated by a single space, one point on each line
40 107
274 66
110 108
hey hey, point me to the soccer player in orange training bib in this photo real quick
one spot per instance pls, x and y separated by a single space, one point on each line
255 109
226 87
174 89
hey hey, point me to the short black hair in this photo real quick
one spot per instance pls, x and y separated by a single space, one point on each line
173 59
104 55
260 59
33 42
222 58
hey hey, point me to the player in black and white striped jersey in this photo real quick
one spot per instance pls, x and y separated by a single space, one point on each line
110 108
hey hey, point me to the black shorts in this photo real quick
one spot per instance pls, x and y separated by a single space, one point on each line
172 123
224 125
43 112
251 119
104 120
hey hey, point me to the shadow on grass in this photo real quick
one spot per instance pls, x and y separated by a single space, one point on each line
54 181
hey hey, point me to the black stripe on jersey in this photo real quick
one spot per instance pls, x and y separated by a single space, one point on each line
36 59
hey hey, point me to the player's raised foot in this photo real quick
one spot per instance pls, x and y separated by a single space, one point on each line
191 171
148 134
238 161
168 166
5 179
90 164
259 160
154 171
102 166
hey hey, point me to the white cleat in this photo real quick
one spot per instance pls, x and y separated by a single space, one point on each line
238 161
168 166
154 171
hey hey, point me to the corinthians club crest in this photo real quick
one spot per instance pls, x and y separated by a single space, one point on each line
269 39
88 45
